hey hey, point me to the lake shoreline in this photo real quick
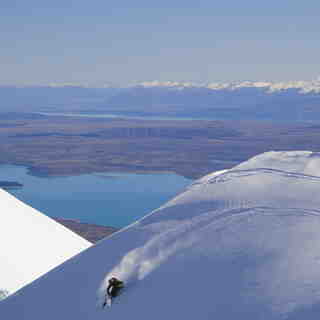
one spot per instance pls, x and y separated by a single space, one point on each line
9 185
114 199
68 172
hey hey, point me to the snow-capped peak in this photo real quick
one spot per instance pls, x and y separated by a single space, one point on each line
269 86
167 84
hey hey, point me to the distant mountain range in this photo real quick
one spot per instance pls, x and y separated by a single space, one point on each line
304 86
263 100
268 86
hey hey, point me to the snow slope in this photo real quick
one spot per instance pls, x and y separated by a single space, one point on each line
238 244
31 244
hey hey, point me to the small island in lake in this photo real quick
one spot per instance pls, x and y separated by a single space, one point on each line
7 185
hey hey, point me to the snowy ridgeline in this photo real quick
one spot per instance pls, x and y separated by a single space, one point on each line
3 294
31 244
242 243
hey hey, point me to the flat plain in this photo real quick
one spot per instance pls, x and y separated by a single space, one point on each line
53 146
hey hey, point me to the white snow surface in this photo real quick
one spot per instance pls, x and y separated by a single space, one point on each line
238 244
304 87
31 244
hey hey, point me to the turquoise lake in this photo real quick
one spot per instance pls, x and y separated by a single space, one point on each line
111 199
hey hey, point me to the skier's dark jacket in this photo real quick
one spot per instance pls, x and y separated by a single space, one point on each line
114 287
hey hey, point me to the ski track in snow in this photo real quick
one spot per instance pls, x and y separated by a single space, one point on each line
141 261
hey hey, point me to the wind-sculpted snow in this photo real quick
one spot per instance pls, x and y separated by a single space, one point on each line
238 244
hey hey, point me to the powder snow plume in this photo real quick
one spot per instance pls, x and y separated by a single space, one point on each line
140 262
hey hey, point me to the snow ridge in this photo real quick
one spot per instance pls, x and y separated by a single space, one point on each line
31 244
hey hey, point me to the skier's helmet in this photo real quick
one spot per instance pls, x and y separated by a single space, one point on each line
113 280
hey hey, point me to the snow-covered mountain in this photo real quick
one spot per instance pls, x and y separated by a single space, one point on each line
312 86
31 244
243 100
237 244
260 99
304 86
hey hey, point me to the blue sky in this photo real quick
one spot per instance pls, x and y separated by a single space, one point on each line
125 41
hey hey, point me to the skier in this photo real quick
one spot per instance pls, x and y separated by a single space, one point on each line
115 285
